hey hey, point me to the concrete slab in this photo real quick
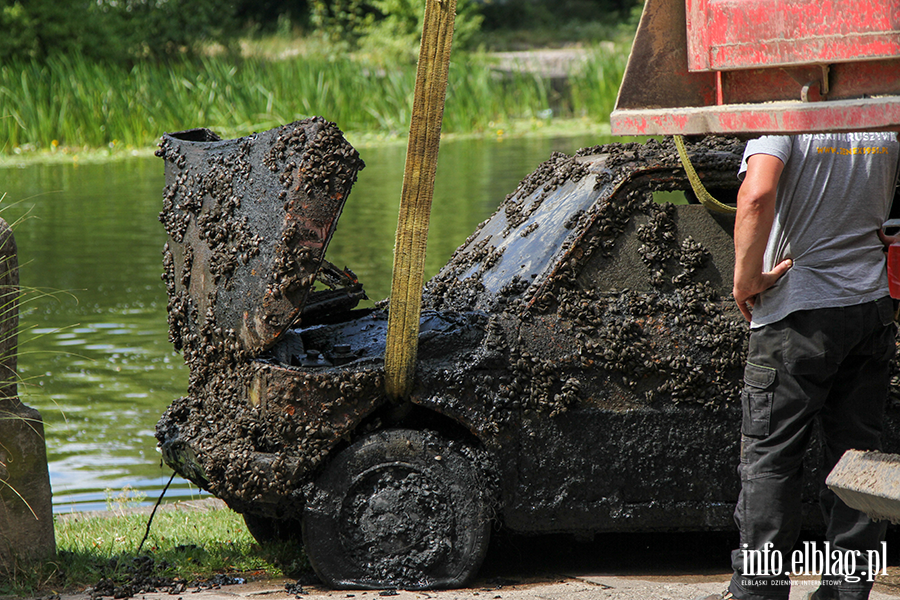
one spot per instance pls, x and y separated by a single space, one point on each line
870 482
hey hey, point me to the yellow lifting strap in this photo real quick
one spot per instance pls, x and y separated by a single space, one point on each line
702 194
415 198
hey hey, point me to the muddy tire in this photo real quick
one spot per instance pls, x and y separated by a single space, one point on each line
397 509
266 530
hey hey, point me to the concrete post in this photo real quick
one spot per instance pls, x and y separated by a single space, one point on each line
26 511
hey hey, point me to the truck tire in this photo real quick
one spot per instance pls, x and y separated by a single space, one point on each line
397 509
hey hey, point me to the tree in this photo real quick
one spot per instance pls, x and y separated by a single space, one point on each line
391 26
112 29
40 28
268 14
160 28
505 14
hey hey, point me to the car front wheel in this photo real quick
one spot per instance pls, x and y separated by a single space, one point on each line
398 509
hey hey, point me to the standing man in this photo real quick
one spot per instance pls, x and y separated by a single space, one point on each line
810 276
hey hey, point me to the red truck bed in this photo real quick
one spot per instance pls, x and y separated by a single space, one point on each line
762 66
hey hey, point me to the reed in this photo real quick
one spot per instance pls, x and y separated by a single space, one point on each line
595 86
71 101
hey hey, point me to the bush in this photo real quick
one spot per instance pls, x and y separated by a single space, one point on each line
166 28
19 39
342 20
112 29
525 14
40 28
391 28
399 28
272 16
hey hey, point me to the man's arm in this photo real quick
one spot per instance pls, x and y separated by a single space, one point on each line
755 214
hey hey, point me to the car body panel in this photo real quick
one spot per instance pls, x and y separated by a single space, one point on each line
249 220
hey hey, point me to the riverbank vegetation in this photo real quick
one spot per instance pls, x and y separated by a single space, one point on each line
127 77
74 101
187 547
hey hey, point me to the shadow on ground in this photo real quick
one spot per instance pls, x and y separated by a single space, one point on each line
688 554
658 554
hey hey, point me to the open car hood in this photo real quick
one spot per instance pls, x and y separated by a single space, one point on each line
248 221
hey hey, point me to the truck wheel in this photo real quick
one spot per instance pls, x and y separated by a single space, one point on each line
397 509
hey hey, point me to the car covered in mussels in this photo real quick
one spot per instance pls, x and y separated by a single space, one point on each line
579 362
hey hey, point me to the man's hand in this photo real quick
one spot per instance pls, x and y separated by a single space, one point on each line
887 240
753 222
745 293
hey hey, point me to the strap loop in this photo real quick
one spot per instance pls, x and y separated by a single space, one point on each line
702 194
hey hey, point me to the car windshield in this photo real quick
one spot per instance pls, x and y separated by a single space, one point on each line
520 244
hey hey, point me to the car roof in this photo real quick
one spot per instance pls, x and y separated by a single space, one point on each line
517 252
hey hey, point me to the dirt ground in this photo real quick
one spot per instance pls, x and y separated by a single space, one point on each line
603 584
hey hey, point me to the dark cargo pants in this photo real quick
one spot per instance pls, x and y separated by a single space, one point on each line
829 366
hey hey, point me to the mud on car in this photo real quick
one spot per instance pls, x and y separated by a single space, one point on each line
579 365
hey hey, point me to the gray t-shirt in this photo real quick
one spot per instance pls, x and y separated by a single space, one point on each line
833 196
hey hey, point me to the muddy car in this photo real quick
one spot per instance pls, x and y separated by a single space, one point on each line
579 362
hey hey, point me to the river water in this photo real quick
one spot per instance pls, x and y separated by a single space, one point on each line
94 353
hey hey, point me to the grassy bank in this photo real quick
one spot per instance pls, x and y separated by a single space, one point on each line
70 101
182 545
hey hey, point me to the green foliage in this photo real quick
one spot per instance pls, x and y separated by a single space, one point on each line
477 96
191 545
19 27
166 28
390 29
124 30
537 14
594 88
112 29
76 102
396 34
342 20
39 28
272 16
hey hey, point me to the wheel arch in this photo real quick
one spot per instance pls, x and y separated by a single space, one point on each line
436 416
